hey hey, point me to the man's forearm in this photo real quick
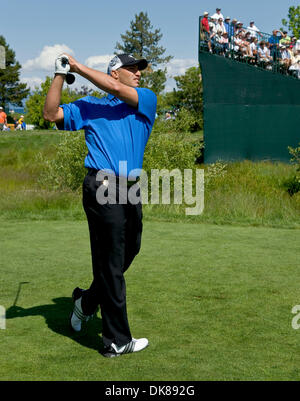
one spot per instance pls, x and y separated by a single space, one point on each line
51 107
100 79
108 84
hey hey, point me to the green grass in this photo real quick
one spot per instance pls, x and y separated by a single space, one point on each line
214 297
215 303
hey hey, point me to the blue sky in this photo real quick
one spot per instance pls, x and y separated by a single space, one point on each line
38 30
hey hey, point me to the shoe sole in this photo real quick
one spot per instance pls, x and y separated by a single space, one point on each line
70 316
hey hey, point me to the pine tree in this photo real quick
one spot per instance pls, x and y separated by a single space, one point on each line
142 41
11 90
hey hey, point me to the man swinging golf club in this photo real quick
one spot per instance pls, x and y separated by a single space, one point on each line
117 128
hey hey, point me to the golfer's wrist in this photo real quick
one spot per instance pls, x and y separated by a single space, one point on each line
59 76
78 68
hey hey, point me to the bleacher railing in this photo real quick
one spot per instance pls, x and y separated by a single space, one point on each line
211 43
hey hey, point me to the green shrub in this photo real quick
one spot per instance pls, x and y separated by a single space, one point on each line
292 184
185 121
170 151
66 170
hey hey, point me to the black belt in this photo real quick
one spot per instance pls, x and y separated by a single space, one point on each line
114 178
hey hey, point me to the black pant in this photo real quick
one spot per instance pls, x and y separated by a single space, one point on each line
115 236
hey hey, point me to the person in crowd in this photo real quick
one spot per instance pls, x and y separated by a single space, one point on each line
241 46
205 29
295 64
3 118
227 24
297 45
212 35
284 58
254 31
264 54
224 42
234 25
290 49
218 39
286 39
254 49
293 41
229 29
220 26
247 38
218 14
274 43
240 27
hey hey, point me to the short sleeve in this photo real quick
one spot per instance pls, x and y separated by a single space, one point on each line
147 103
73 116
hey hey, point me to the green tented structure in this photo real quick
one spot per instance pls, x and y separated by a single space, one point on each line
249 113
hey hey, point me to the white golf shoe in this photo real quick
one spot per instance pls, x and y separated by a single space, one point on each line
134 345
77 315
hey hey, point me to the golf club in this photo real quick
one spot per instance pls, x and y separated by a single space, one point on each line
70 78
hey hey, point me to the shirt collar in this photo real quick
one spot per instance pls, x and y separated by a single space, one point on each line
111 97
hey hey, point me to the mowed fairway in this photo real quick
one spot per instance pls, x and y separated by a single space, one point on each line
214 301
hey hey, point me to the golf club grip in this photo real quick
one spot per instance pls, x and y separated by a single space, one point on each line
70 78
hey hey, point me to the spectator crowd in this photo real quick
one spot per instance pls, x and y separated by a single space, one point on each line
19 123
230 38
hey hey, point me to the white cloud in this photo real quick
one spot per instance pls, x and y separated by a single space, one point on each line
32 82
45 61
99 62
179 66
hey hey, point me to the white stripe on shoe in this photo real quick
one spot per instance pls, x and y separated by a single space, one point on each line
133 346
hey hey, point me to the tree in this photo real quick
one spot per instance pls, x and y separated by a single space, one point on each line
190 90
11 90
186 101
142 41
35 103
293 23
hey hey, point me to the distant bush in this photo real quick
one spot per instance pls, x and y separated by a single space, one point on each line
184 121
170 151
292 184
66 170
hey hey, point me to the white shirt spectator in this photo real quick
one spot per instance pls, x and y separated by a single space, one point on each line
221 27
217 16
285 55
213 28
237 43
297 46
296 64
253 31
253 48
264 53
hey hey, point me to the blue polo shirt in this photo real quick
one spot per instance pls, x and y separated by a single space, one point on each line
274 40
114 131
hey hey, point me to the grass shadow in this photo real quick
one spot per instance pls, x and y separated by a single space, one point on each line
57 318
